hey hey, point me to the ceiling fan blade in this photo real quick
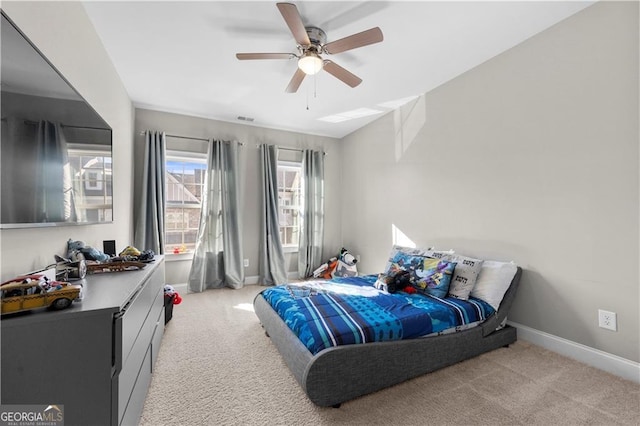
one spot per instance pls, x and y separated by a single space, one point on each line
341 74
246 56
295 81
365 38
292 17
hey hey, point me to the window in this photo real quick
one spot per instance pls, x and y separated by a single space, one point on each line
92 184
185 184
289 203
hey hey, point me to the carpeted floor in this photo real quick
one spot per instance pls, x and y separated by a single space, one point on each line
217 367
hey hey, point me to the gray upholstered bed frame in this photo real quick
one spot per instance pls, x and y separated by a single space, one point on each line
341 373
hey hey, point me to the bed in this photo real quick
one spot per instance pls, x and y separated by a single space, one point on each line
331 372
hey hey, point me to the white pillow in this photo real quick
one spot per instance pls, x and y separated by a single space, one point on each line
493 281
465 275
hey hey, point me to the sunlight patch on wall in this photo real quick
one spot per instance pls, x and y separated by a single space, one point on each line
399 238
408 120
244 307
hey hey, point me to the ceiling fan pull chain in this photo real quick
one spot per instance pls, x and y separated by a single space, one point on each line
315 85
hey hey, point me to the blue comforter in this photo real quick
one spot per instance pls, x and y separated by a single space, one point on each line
346 311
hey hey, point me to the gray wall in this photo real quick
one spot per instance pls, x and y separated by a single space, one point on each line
182 125
531 157
74 48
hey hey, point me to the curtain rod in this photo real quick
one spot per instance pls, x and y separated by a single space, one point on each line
291 149
187 137
65 125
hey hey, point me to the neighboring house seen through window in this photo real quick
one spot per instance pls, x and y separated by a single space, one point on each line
290 203
185 185
91 175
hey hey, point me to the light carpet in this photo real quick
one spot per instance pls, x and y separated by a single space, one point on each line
217 367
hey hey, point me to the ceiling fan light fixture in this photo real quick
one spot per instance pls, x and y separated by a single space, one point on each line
310 63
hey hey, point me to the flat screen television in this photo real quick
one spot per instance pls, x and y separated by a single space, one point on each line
55 150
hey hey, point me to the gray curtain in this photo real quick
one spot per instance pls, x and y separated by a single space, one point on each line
312 224
218 256
53 194
149 230
272 266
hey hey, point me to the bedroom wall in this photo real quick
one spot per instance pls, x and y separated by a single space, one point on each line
178 266
531 157
63 33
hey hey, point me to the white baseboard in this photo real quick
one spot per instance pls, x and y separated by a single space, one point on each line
181 288
251 280
184 288
610 363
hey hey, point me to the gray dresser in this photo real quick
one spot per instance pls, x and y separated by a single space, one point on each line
95 358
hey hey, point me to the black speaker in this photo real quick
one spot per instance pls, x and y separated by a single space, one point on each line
109 247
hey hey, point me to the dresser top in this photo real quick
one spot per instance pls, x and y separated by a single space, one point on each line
103 293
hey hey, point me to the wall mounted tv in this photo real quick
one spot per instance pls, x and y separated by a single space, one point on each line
55 150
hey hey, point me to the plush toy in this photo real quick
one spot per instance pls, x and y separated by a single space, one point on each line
346 266
132 253
394 282
410 289
342 265
89 252
170 291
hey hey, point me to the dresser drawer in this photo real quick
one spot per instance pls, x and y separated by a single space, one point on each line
130 412
157 338
137 311
141 348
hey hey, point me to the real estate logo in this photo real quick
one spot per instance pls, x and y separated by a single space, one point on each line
32 415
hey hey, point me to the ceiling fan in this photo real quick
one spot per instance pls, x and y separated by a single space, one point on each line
312 43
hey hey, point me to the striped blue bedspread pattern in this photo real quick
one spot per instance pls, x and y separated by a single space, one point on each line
346 311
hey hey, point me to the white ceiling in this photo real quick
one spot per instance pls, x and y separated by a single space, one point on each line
178 56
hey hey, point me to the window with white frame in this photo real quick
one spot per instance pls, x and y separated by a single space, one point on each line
91 175
185 184
289 203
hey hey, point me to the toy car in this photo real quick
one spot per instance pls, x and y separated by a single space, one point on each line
36 291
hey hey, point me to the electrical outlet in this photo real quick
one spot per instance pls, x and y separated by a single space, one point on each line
607 320
246 263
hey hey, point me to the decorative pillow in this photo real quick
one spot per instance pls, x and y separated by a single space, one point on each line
465 275
434 276
401 250
404 262
493 281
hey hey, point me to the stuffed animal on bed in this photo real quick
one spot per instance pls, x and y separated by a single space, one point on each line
89 252
394 282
